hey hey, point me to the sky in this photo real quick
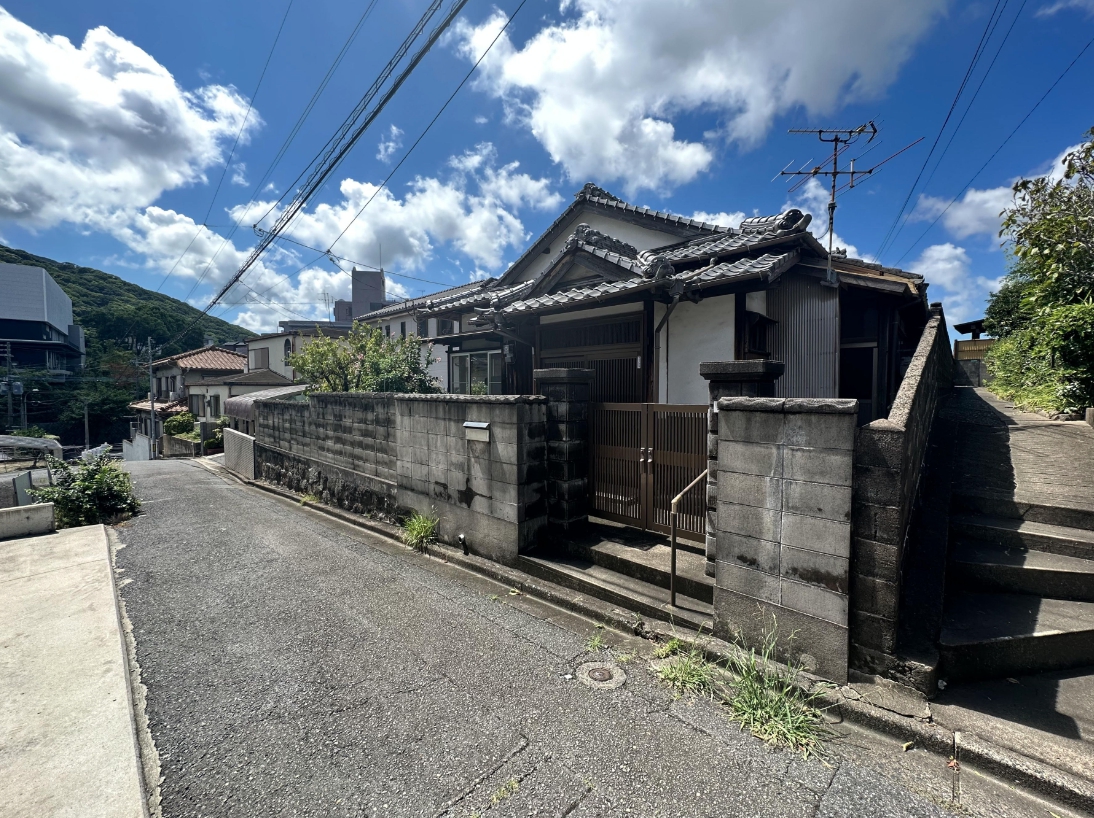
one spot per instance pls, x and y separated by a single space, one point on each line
146 139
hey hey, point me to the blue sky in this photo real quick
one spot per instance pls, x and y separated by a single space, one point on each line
116 120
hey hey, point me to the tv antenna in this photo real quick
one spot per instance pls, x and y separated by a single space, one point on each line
840 139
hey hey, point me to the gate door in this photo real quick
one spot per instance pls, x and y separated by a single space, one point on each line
642 455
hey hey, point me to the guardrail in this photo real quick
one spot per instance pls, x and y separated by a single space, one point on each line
672 525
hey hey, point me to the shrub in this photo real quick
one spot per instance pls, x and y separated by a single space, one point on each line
179 424
88 492
420 530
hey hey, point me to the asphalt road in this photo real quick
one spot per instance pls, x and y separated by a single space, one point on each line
298 666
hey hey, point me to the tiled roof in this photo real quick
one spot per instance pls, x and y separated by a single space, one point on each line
162 407
751 233
257 377
206 358
767 266
426 301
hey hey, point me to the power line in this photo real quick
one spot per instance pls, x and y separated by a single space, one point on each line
1001 146
451 96
953 106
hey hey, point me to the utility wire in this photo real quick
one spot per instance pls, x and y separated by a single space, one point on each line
451 96
1001 146
337 153
953 106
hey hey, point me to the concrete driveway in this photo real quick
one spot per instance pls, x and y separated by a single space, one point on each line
298 666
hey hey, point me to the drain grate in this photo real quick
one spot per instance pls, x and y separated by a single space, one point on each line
601 675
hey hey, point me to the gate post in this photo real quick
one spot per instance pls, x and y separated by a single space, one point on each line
567 392
730 379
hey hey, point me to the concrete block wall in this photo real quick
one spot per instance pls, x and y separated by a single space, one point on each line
490 491
889 457
782 526
567 440
389 454
239 453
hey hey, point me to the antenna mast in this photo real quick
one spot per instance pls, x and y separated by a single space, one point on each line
840 139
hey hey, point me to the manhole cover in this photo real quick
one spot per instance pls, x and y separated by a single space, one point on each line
601 675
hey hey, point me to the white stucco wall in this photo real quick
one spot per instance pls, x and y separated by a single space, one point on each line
696 332
640 237
276 346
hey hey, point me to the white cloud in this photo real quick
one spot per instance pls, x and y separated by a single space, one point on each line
388 146
1061 5
239 174
947 268
90 133
481 120
722 219
600 89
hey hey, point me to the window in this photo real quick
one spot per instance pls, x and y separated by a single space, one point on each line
477 373
197 406
174 383
444 326
159 387
402 328
260 358
214 406
423 327
288 350
387 330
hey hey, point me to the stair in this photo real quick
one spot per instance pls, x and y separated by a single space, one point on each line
630 568
1020 588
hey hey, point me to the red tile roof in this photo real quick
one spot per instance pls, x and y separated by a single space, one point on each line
209 358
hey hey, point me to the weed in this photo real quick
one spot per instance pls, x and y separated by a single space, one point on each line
624 658
769 702
669 648
688 671
595 643
309 498
419 530
506 790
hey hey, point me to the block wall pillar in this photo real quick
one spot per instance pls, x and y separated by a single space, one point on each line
567 435
782 528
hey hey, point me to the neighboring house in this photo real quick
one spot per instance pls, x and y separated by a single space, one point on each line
240 409
36 319
207 398
410 318
272 351
171 376
643 297
142 432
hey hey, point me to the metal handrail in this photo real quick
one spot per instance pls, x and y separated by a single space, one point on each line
672 522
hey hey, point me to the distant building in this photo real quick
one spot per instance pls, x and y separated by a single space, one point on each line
36 319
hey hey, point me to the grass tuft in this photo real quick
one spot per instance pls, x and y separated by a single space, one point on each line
687 670
309 498
669 648
769 701
420 530
595 642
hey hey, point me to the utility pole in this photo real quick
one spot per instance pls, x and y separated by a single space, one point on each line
7 380
87 435
840 139
152 405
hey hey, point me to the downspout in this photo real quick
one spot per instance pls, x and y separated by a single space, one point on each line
657 339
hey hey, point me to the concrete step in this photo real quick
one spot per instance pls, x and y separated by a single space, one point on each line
650 564
594 580
1030 509
987 635
983 566
1024 534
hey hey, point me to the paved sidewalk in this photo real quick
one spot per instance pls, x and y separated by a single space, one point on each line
67 745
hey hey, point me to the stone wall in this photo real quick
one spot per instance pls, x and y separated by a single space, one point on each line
889 457
477 462
567 441
972 372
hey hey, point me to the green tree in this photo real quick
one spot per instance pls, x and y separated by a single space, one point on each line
1043 314
366 360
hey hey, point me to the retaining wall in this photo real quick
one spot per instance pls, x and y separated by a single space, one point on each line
889 457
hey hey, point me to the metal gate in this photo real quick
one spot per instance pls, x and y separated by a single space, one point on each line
642 455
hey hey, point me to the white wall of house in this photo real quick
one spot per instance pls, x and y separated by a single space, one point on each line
640 237
271 351
200 399
695 333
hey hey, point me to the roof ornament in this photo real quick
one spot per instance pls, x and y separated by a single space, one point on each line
655 266
583 234
591 191
792 221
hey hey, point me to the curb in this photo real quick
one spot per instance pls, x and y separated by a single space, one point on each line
968 748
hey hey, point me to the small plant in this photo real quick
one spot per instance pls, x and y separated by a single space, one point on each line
309 498
505 791
669 648
769 702
420 530
688 671
595 642
180 424
88 492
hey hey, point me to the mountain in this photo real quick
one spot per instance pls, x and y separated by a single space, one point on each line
110 308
